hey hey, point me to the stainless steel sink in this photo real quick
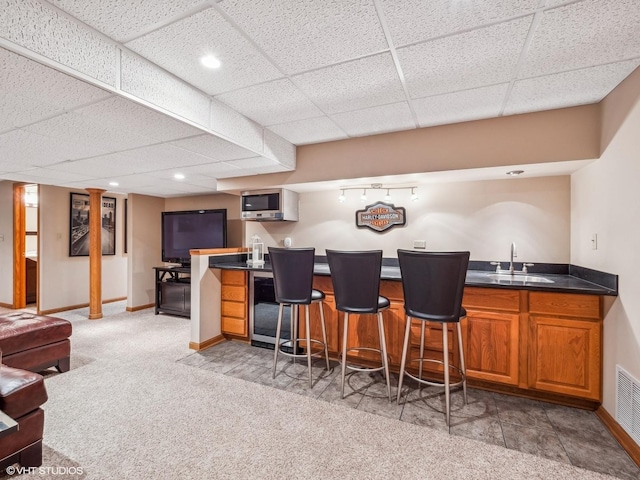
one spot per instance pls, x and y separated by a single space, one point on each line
518 278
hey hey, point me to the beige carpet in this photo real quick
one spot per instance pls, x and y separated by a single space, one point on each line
128 410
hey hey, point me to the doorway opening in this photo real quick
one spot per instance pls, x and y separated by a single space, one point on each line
25 244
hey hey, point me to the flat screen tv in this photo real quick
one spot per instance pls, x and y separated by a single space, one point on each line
186 230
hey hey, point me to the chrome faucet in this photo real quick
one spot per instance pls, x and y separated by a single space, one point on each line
514 253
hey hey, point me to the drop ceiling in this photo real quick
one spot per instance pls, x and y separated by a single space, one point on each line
97 91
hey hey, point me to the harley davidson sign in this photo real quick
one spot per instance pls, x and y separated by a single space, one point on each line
380 217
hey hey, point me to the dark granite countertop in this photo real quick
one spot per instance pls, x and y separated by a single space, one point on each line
549 278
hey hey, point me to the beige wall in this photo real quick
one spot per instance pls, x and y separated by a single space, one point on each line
606 201
6 242
144 246
542 137
483 217
64 280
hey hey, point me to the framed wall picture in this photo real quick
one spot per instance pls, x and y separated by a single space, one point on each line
79 225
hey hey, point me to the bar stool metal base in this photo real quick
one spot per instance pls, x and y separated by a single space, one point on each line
384 358
446 384
294 342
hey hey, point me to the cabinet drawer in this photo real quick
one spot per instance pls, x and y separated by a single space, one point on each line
234 277
234 309
234 293
566 304
234 326
492 299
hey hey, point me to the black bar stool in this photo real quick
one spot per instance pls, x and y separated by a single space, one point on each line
356 284
292 281
433 285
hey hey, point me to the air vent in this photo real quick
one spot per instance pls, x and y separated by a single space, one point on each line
628 403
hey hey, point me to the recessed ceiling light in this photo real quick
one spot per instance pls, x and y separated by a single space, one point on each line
179 176
515 173
114 184
210 61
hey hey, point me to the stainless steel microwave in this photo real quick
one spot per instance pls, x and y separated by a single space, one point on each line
271 205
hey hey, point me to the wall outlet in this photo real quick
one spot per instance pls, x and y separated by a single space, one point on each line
594 241
420 244
287 242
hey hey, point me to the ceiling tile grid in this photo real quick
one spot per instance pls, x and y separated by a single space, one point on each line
362 83
412 21
308 34
584 34
474 104
120 20
41 29
373 120
577 87
178 48
310 130
148 82
468 60
214 148
279 101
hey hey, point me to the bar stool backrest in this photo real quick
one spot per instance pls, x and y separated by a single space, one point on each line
356 279
433 284
292 274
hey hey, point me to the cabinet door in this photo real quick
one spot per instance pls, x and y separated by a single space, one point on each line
565 356
491 342
172 297
234 305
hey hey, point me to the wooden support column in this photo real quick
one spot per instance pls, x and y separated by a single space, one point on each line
95 253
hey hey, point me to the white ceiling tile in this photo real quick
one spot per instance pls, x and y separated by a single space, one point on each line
40 89
164 156
214 148
370 121
412 21
584 34
149 82
132 117
17 111
96 136
278 101
307 34
578 87
468 60
119 19
311 130
116 164
126 182
178 48
47 176
253 162
211 170
462 106
32 25
190 178
362 83
20 149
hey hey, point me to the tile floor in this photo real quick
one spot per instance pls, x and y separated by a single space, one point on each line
551 431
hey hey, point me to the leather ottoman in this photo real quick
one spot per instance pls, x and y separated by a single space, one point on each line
21 394
35 342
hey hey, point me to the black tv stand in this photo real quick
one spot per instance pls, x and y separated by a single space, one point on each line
173 290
